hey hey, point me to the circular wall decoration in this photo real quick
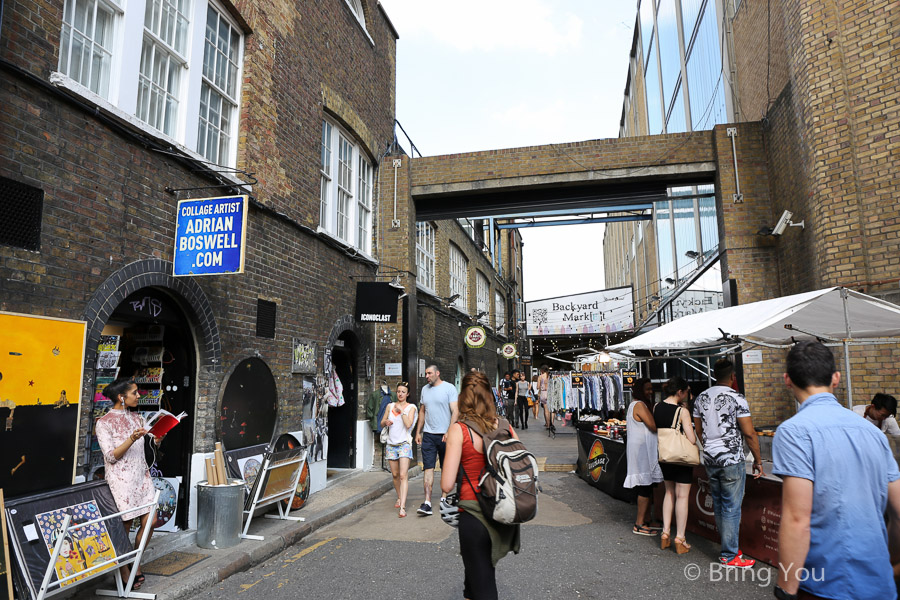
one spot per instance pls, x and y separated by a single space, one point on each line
475 336
509 350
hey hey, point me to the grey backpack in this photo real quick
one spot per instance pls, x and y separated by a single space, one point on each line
508 484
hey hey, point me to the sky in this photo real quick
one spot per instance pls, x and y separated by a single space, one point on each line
490 74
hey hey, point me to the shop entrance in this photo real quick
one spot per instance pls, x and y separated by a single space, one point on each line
342 419
148 338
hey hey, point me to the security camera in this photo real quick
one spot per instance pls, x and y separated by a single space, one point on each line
783 222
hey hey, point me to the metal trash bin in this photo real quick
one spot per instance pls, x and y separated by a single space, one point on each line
219 514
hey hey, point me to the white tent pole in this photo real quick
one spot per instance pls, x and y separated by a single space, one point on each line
844 296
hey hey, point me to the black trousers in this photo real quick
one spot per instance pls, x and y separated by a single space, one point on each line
522 411
475 548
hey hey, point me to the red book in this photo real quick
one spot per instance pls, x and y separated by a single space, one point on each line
162 421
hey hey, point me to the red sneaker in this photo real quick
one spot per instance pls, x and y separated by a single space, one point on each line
738 562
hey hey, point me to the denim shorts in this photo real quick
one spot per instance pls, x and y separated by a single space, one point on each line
398 451
433 447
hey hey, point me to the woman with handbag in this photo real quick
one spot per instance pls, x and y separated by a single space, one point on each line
399 419
676 435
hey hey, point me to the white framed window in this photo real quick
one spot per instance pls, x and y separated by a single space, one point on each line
86 43
459 278
364 206
182 81
425 256
482 298
345 189
468 227
162 63
499 313
357 9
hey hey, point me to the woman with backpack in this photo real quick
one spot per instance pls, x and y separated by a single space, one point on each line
482 541
399 417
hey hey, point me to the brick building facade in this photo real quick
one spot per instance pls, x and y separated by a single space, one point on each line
102 175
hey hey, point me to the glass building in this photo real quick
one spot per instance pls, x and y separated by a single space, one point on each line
679 80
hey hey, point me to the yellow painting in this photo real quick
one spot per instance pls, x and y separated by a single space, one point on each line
82 548
41 373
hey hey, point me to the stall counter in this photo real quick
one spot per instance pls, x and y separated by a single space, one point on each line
602 463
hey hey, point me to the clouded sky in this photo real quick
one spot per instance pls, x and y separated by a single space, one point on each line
479 75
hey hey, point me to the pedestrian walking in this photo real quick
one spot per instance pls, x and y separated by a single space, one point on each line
482 541
399 418
522 402
722 420
437 411
840 477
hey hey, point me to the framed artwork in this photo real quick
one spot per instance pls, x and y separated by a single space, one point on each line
41 374
244 463
34 524
168 502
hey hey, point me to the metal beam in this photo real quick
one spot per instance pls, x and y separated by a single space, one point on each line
576 222
578 211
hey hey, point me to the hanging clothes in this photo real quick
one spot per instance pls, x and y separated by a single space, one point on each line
334 390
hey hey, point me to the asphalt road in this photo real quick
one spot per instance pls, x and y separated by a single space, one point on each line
579 546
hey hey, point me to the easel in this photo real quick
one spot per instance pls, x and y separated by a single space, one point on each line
123 590
271 464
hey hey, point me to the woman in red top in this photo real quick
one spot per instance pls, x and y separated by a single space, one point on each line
482 541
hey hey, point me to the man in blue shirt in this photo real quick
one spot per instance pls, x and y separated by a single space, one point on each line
839 477
436 413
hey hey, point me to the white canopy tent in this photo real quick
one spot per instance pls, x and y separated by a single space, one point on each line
834 315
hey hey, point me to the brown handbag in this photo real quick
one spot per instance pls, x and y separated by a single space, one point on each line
674 447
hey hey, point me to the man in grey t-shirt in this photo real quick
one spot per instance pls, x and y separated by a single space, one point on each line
436 412
722 420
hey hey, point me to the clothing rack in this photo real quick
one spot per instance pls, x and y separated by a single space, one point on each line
594 392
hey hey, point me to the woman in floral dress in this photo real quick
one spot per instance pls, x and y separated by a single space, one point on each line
121 433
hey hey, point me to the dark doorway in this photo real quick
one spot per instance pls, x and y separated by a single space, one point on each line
342 419
157 348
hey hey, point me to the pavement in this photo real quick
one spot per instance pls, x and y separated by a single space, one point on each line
343 495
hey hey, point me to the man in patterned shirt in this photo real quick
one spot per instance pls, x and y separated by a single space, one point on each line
722 420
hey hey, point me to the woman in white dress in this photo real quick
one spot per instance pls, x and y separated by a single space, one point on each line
643 458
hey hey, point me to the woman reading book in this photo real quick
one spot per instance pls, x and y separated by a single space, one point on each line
120 433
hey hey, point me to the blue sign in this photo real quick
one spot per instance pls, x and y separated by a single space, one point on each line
210 235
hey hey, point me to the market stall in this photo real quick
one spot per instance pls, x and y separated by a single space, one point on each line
837 316
602 462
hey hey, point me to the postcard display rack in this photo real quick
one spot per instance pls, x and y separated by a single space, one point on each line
66 537
275 483
147 354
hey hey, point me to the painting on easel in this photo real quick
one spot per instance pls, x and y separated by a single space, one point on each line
81 548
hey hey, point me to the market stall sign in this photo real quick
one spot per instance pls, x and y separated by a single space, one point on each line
525 361
509 350
629 377
475 336
210 235
376 302
597 460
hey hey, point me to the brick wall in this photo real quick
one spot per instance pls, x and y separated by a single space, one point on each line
106 208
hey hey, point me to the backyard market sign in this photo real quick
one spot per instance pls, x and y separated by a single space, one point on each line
210 235
603 311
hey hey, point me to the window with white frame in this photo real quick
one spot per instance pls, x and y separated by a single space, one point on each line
459 278
218 94
425 256
364 206
163 58
345 189
499 313
482 298
86 43
356 7
180 92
